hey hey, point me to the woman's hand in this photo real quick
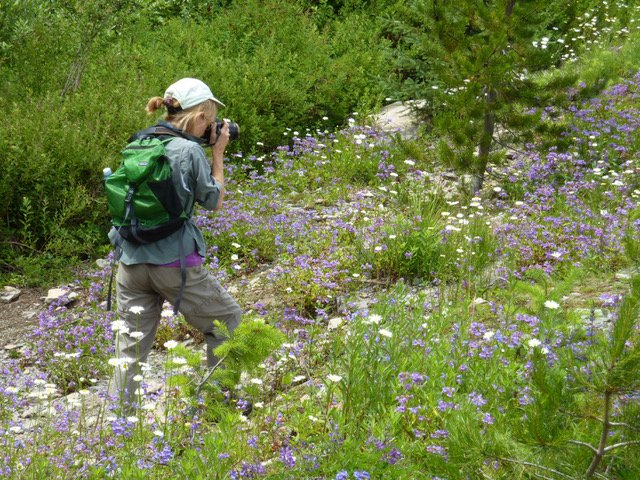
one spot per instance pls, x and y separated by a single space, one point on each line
221 141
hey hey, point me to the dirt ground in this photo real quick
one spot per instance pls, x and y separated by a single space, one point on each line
20 317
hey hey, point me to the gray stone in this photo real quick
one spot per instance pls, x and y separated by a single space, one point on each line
102 263
399 117
56 294
9 294
627 274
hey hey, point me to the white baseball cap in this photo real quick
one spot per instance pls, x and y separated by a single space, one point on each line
190 92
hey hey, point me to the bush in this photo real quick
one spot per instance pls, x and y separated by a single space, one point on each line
266 60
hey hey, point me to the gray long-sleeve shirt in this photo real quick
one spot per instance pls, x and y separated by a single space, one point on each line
194 184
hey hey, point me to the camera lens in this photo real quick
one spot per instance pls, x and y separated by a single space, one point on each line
234 129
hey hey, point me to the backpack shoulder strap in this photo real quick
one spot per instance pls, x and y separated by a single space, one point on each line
155 131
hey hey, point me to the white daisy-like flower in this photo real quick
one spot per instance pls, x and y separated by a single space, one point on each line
334 323
158 433
258 405
132 419
550 304
136 309
374 318
256 381
119 326
385 333
534 342
137 378
334 378
298 378
136 335
117 362
170 344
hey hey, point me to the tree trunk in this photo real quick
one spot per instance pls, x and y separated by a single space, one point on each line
486 140
606 425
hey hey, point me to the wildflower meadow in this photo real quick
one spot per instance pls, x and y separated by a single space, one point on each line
394 326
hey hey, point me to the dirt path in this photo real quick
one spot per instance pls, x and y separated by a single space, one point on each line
20 317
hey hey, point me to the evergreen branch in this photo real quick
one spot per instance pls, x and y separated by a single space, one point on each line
529 464
622 444
584 444
208 375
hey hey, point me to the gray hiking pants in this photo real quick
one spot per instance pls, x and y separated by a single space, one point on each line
147 286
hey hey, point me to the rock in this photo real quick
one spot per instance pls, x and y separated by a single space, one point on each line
627 274
29 314
9 294
57 294
399 117
103 263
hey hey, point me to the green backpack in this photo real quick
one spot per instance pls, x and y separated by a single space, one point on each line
141 197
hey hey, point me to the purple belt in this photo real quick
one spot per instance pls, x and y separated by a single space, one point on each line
192 260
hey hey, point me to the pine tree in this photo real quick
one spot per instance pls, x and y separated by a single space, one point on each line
473 61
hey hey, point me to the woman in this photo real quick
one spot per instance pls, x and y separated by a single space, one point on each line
172 268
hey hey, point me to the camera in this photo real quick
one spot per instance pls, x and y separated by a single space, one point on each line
234 130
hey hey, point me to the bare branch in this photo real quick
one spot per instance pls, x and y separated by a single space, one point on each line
591 447
622 444
208 375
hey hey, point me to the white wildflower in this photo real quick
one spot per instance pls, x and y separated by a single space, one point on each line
136 309
119 326
334 323
170 344
374 318
334 378
550 304
385 333
534 342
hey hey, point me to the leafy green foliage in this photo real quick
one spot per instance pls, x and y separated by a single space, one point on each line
267 60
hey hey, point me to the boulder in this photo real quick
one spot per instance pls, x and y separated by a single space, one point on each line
57 294
399 117
9 294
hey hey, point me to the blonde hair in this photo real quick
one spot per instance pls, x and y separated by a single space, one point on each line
182 119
